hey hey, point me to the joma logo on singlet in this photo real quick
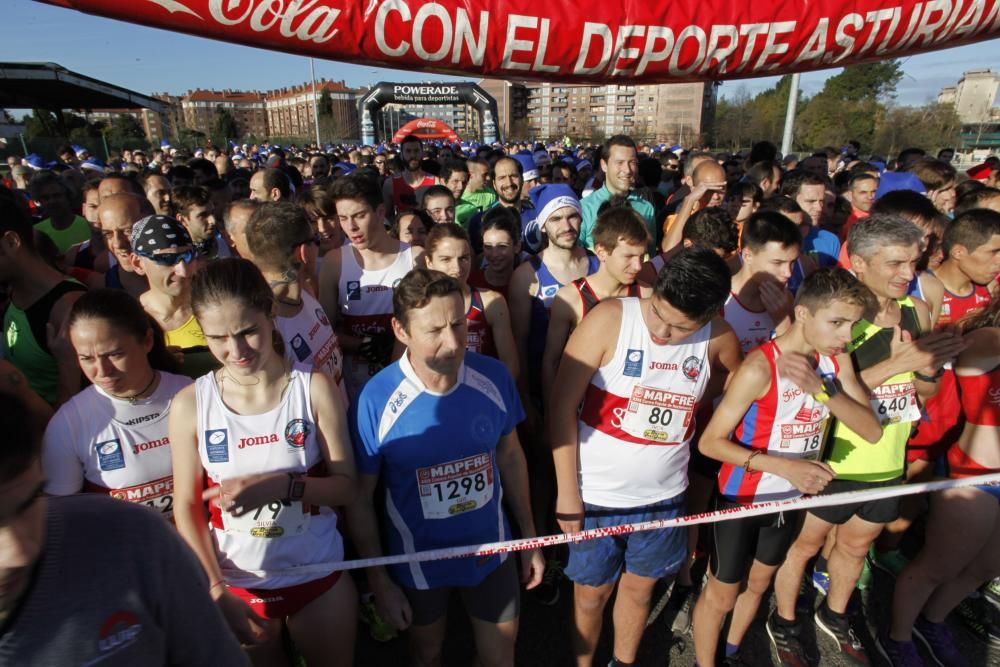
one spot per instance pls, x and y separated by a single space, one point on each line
152 444
258 440
376 288
662 366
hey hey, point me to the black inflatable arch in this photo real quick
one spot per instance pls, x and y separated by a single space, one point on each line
384 93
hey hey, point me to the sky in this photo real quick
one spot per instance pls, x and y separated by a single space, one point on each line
148 60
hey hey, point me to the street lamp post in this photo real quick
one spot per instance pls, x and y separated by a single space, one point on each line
312 73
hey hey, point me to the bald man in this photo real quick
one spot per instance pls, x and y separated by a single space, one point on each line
708 187
235 228
116 215
113 184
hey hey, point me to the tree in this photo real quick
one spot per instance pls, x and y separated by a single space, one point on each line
125 132
732 120
850 106
931 127
190 137
224 126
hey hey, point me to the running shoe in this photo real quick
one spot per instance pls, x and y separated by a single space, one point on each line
979 618
786 642
378 628
547 592
891 562
939 642
839 629
899 654
683 597
992 592
821 581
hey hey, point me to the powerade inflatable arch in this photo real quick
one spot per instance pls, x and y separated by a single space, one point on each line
384 93
426 128
630 41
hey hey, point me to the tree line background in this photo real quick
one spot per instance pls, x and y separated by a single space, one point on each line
858 103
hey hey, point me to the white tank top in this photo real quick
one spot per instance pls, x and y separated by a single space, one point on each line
365 300
261 548
752 328
786 422
106 445
309 340
638 416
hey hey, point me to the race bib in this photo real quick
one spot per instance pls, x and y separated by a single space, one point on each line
273 520
452 488
895 403
657 415
802 440
473 341
158 494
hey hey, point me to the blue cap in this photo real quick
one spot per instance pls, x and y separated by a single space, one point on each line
529 171
899 180
93 164
550 197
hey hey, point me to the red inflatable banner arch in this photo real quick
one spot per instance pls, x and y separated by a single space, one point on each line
628 41
426 128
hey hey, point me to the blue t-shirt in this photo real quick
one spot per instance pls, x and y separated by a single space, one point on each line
436 454
822 246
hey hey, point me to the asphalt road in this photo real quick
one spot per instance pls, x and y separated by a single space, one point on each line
544 637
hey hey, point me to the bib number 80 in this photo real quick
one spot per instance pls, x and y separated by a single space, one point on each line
660 416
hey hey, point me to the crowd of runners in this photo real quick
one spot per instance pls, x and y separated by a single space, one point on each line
297 357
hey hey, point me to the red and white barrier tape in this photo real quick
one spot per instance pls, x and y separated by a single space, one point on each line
770 507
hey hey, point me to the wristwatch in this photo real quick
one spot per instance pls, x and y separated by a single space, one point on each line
828 391
296 487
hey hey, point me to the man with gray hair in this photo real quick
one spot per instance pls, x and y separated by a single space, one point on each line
897 369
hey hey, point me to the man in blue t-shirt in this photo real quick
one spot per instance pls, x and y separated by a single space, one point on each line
809 192
439 428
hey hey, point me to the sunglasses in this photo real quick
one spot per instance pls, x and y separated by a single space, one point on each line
170 258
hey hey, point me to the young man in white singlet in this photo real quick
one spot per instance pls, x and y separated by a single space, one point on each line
282 242
768 433
620 240
356 282
759 305
640 367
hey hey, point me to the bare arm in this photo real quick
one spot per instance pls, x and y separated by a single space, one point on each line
339 486
514 475
754 374
58 339
498 317
362 522
851 405
589 348
189 509
933 290
725 356
521 291
329 299
13 383
562 319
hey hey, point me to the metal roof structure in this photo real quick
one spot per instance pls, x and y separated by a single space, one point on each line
51 86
